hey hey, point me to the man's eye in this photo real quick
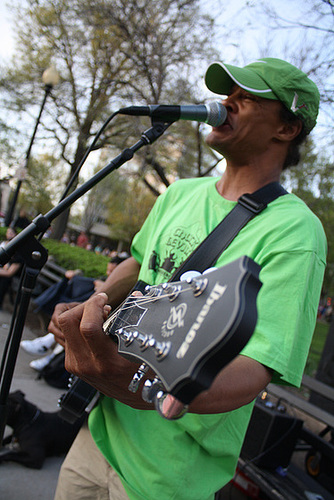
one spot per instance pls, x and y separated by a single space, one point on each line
250 97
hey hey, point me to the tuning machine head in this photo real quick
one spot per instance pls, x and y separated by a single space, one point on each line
198 285
152 291
168 406
151 388
172 290
137 378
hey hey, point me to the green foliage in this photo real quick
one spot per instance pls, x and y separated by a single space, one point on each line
313 181
40 187
73 257
128 206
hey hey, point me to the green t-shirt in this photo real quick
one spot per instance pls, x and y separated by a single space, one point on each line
191 458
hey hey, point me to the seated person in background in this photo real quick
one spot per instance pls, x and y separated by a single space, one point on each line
112 264
21 221
10 269
74 287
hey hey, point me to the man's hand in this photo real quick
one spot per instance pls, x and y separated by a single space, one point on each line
91 354
94 357
54 323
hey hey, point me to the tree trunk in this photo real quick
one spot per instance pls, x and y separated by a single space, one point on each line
59 225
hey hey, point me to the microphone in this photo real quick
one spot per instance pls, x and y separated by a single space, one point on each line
213 114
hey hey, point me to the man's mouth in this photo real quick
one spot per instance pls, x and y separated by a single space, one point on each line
226 123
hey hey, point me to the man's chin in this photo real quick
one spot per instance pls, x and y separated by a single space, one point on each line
219 138
216 145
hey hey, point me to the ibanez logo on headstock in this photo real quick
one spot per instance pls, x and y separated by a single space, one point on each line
175 320
215 295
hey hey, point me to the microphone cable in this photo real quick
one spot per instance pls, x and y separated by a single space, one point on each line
88 150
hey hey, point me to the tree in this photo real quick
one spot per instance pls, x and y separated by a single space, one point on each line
309 34
128 206
41 186
313 181
108 53
97 200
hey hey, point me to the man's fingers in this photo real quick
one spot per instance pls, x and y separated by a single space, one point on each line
53 326
84 322
94 314
86 345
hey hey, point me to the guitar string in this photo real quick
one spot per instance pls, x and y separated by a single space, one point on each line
146 299
139 301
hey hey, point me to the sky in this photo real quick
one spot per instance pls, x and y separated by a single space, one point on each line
6 33
232 11
239 22
243 31
238 14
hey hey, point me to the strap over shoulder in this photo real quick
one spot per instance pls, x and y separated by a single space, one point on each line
249 205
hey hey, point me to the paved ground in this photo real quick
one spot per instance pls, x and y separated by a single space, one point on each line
16 481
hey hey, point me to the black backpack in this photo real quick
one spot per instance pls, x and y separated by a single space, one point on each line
54 373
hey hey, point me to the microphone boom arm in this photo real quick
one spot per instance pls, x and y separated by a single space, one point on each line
42 222
35 255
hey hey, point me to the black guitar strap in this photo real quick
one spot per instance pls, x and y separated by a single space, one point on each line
249 205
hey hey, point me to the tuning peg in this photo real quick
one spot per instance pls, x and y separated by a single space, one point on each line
167 287
168 406
171 290
152 291
189 275
161 348
150 389
137 378
128 336
198 285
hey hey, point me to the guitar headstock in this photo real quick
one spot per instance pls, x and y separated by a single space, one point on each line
187 331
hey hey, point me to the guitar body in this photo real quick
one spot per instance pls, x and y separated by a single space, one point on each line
188 331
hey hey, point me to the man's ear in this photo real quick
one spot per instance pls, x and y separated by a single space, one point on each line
288 131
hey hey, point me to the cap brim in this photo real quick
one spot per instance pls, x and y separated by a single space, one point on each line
220 79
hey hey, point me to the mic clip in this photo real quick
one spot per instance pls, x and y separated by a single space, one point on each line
157 129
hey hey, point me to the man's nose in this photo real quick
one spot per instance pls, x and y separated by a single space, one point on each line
230 103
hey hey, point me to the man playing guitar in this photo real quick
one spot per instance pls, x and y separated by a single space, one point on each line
128 450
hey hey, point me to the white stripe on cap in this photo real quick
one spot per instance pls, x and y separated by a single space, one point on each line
244 86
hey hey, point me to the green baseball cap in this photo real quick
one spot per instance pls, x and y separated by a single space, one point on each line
270 78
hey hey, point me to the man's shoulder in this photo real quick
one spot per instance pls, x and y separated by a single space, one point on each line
291 218
294 207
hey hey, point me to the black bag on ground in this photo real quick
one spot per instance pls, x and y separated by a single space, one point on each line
54 373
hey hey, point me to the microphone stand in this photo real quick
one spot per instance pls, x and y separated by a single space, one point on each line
35 256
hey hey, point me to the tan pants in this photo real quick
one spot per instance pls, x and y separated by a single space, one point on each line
86 475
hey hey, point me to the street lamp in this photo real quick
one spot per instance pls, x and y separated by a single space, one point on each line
50 78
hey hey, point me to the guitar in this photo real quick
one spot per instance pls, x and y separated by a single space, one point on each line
185 331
